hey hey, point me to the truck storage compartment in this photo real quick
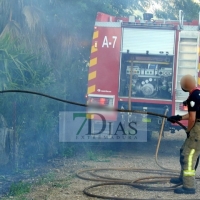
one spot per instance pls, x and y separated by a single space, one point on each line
151 76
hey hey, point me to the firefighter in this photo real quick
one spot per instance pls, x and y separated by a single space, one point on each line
190 151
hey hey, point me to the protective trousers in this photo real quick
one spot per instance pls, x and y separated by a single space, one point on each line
189 154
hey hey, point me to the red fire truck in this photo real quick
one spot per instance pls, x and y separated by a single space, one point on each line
137 65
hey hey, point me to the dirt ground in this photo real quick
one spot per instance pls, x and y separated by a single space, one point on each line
66 186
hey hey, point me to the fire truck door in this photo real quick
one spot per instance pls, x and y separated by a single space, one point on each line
153 41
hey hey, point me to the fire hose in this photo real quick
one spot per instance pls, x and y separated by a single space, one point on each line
84 105
138 183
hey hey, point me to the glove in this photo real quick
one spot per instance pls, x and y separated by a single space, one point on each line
174 119
185 103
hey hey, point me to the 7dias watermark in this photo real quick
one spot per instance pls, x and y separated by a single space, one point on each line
99 127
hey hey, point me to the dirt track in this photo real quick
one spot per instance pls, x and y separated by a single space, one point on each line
138 155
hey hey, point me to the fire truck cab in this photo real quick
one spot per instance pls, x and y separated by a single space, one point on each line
138 64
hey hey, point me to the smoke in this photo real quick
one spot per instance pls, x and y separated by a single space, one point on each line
45 48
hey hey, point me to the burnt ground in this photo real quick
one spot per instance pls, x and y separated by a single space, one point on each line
56 178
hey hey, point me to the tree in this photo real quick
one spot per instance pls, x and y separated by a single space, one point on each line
170 9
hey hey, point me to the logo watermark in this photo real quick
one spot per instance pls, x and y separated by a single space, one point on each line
98 127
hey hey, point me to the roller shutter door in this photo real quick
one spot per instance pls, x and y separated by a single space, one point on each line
152 40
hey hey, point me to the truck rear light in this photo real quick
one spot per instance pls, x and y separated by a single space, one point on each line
182 107
104 101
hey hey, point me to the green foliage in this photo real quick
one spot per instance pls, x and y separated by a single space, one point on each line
35 121
97 155
170 9
101 156
52 180
69 151
20 188
50 177
16 66
92 156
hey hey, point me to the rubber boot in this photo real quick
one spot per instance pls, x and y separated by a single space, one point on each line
183 190
176 180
